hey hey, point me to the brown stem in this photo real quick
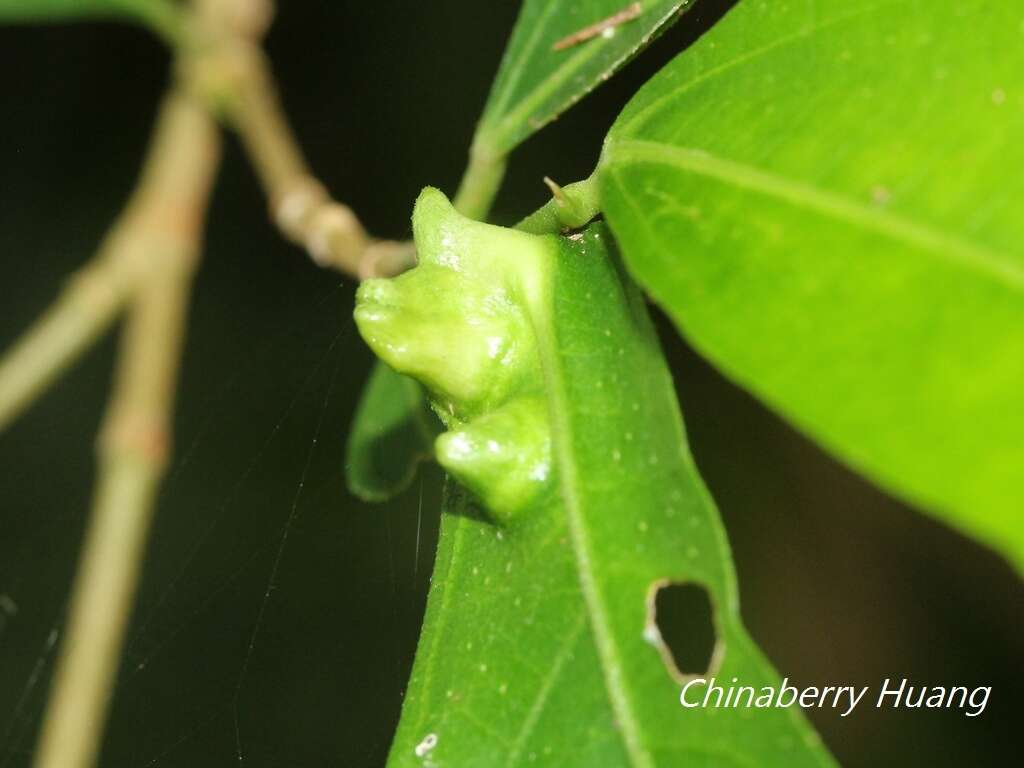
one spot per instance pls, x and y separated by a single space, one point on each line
134 440
238 80
160 213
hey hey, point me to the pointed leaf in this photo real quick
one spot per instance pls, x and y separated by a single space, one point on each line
537 81
826 196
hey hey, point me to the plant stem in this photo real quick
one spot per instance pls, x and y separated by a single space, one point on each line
148 259
481 181
301 207
83 312
173 174
570 207
134 441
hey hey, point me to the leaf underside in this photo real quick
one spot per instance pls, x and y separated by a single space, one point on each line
533 650
392 431
827 198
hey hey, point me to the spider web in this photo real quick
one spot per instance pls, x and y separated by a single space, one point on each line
277 616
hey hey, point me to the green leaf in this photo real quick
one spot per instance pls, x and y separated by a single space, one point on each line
539 645
827 198
392 432
164 16
536 81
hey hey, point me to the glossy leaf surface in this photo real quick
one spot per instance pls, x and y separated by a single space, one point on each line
826 197
539 646
537 82
392 431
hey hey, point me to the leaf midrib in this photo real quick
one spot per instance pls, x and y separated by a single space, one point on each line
502 98
579 534
506 124
800 194
498 127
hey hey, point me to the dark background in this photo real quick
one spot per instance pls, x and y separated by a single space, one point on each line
841 584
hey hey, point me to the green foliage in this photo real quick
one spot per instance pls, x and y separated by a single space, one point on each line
162 15
536 82
392 432
539 644
827 199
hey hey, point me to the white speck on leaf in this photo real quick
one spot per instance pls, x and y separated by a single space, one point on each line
652 635
428 743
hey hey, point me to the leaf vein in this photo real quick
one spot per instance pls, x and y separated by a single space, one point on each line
541 698
838 207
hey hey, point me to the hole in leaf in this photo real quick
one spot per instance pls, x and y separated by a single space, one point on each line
681 625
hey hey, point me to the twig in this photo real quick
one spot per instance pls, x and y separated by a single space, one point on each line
82 313
480 182
237 79
149 259
152 219
134 441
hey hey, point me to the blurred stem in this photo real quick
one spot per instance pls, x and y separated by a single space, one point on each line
134 441
239 82
173 177
147 261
